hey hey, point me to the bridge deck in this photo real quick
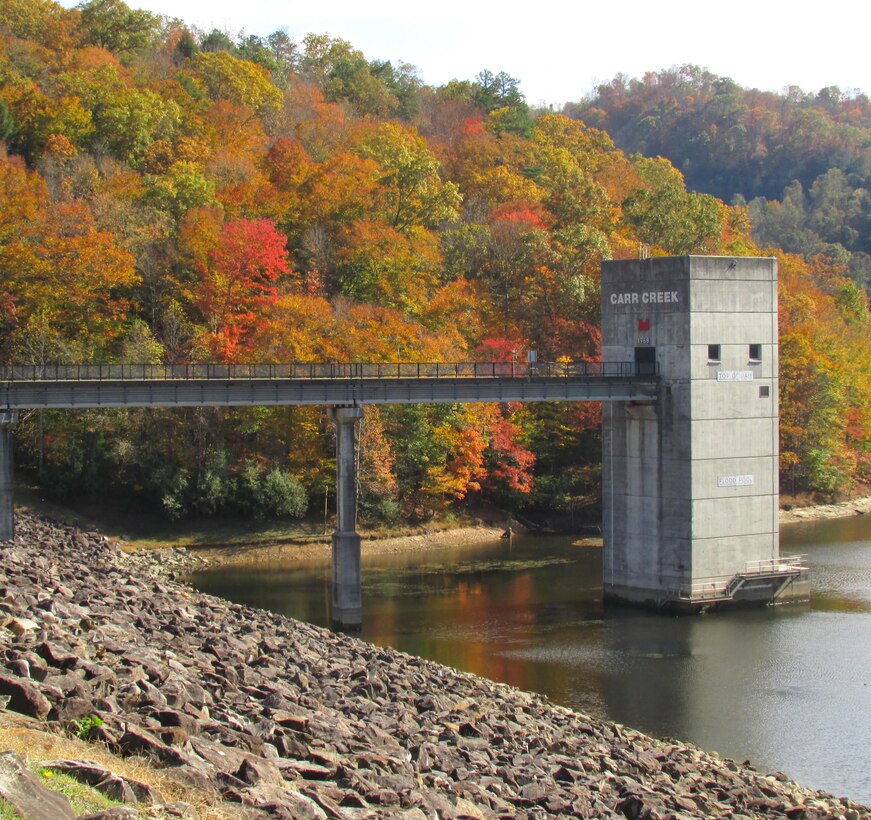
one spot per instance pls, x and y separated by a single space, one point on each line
83 386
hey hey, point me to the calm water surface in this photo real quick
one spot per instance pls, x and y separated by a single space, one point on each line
787 688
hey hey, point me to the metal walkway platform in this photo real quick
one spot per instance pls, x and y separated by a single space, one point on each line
766 580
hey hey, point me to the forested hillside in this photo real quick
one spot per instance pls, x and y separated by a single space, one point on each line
168 195
802 161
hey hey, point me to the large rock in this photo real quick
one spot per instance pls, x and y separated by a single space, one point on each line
122 789
24 697
20 787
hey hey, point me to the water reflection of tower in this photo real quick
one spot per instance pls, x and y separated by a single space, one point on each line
687 678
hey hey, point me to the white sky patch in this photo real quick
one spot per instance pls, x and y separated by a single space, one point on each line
560 51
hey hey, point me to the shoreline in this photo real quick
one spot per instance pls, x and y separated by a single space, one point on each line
175 561
302 551
315 551
820 512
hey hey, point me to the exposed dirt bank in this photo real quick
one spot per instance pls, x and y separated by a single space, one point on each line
317 550
817 512
274 547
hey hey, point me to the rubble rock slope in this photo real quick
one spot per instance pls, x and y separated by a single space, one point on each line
288 720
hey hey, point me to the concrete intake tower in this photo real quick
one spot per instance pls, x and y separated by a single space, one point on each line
690 484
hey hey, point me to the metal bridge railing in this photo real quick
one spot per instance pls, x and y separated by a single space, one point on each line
320 370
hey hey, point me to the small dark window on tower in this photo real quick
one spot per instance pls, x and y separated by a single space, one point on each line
645 361
713 353
755 353
763 391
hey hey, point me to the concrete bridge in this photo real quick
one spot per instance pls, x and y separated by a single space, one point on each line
343 387
690 439
350 383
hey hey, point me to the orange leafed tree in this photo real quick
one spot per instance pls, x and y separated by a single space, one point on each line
299 328
825 378
58 271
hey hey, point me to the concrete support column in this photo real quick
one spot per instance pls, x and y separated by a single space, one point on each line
7 522
347 597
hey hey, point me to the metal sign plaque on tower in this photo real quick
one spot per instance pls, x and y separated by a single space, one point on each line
690 490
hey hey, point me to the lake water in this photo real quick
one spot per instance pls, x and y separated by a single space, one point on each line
788 688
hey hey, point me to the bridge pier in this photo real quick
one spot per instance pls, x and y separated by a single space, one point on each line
7 521
347 612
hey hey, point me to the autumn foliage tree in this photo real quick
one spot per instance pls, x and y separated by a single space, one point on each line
238 283
825 377
65 281
798 159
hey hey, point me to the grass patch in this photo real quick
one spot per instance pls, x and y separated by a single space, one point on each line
7 812
84 799
36 746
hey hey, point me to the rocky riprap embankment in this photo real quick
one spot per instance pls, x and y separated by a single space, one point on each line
289 720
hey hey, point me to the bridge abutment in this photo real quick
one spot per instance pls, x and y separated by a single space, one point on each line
347 611
7 475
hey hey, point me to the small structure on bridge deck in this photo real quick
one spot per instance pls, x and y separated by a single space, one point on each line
690 490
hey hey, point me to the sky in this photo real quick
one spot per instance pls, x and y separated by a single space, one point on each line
560 51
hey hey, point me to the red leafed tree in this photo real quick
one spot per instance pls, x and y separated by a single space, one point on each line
473 127
238 281
519 217
509 463
571 338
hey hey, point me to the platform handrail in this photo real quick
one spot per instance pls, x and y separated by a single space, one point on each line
319 370
781 564
722 586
